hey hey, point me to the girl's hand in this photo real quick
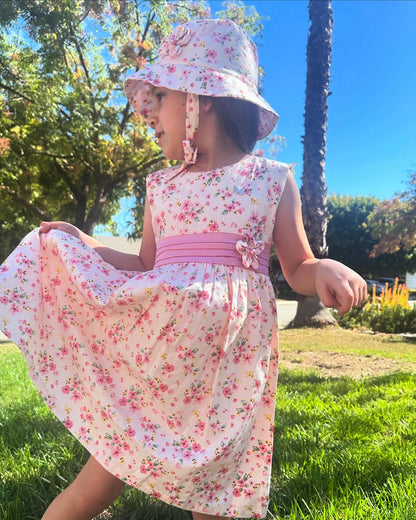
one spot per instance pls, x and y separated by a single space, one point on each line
338 286
45 227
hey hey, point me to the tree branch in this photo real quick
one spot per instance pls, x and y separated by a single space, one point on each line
126 115
13 91
33 208
115 181
87 74
64 174
48 154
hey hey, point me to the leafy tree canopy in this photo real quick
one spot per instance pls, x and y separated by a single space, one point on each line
351 239
393 223
70 147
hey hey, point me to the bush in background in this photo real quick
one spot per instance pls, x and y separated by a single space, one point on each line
390 312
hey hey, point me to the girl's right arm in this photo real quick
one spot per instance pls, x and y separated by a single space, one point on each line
337 285
144 261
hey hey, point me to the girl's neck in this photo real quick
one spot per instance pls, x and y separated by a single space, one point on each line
216 150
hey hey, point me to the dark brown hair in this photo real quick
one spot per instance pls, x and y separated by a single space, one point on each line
240 120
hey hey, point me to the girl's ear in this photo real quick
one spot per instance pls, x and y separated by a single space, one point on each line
206 104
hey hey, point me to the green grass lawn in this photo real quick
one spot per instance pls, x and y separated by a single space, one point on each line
344 448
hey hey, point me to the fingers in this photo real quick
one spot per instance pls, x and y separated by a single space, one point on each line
361 292
345 297
340 298
343 294
45 227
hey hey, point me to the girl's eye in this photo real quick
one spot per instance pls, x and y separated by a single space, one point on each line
159 96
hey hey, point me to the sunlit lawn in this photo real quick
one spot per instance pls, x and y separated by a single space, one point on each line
344 449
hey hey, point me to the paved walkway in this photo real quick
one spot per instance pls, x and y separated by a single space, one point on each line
286 310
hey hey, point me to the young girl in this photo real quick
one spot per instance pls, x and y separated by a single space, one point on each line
164 364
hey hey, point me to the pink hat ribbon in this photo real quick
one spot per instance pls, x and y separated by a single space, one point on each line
191 128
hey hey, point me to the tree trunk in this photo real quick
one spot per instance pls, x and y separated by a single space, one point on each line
313 190
311 313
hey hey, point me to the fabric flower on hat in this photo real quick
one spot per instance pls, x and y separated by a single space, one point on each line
173 43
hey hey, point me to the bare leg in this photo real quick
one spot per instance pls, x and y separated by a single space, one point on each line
203 516
92 491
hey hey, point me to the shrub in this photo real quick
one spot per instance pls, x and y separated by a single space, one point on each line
390 312
398 295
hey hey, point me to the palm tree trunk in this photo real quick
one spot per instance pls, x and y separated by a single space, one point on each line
310 311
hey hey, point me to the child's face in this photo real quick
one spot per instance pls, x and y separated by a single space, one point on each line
167 117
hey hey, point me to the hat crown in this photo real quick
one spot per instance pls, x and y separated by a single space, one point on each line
212 45
209 57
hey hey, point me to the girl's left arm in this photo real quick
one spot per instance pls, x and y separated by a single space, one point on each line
337 285
143 261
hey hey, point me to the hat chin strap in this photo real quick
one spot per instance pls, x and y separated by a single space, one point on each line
191 130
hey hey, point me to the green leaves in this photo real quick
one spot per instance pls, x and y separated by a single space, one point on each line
70 147
71 143
393 223
357 223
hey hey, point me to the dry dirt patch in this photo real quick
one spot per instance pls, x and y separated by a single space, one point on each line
336 364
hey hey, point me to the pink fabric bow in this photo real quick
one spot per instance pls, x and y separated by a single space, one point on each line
250 250
190 152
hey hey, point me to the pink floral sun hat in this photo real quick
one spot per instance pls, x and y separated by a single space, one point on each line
205 57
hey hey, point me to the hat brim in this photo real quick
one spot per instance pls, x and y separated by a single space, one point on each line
196 80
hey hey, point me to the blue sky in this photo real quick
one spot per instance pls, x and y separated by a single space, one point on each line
371 137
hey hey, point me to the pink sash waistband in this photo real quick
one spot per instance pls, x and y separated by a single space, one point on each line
216 248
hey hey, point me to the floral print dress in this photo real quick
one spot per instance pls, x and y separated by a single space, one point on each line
167 377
